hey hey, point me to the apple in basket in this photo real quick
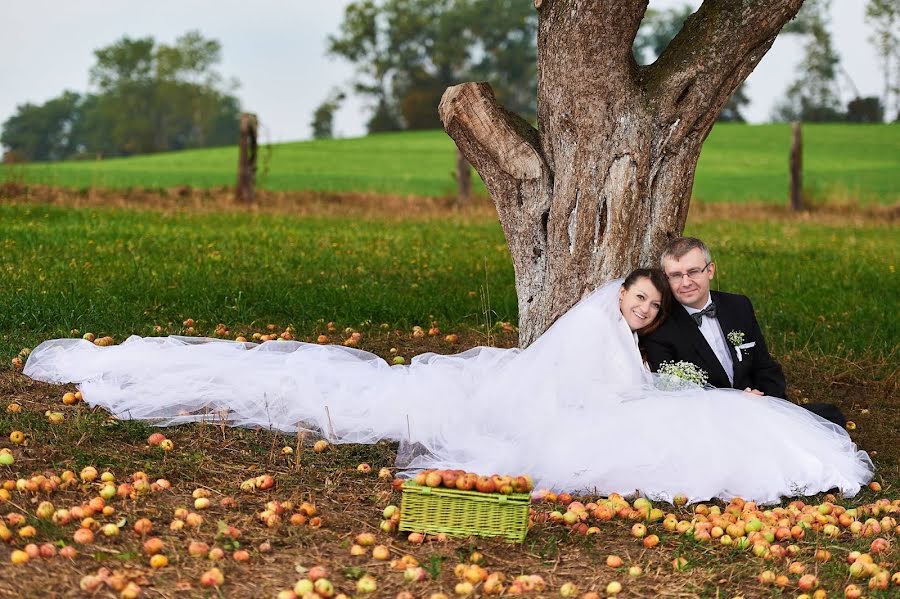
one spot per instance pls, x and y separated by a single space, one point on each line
522 484
466 482
485 484
448 478
434 479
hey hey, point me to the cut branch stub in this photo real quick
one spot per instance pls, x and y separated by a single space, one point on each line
471 109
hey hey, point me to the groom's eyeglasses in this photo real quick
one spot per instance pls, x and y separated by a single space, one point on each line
692 274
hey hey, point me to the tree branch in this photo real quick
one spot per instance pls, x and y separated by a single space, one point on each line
498 143
717 48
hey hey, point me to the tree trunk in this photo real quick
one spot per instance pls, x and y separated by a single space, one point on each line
246 180
463 179
605 181
796 167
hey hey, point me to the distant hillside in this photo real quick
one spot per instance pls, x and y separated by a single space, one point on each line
738 163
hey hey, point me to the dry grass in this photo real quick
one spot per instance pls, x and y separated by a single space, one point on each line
392 207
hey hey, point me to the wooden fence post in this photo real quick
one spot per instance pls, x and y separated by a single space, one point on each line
796 168
463 179
246 181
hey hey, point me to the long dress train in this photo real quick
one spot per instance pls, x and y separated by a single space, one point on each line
577 409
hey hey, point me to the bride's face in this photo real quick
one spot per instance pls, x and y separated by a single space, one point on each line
640 303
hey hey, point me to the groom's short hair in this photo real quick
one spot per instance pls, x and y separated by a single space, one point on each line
680 246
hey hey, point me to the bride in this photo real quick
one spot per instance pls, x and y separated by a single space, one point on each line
578 409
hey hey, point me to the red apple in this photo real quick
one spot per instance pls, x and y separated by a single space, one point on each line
448 478
212 578
485 484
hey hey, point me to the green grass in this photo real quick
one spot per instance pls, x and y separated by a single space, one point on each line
843 162
738 163
830 289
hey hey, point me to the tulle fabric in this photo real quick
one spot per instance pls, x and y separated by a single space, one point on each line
577 409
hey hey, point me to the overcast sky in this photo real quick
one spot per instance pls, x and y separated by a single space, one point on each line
275 48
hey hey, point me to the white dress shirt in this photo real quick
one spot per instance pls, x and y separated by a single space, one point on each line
712 331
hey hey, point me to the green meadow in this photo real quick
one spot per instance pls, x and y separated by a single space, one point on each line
844 163
824 288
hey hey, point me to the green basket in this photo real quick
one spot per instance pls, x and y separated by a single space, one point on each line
464 513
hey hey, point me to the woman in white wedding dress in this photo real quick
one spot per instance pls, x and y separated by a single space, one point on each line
578 409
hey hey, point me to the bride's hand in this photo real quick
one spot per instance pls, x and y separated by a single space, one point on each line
753 391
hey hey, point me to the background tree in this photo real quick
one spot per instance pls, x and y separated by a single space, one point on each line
407 52
865 110
44 132
813 96
605 179
124 75
739 100
884 18
163 97
658 28
323 117
504 51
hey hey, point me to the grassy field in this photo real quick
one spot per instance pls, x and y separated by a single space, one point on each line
845 163
824 287
828 288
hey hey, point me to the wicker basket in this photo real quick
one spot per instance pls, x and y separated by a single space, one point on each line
464 513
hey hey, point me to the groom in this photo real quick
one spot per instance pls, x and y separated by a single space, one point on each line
716 331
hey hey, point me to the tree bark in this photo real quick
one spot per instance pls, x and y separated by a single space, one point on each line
463 179
247 153
605 181
796 168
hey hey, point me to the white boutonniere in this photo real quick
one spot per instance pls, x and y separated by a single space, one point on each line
684 371
736 338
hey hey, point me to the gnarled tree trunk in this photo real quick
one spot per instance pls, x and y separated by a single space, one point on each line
605 180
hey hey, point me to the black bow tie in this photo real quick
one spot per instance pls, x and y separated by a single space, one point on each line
709 310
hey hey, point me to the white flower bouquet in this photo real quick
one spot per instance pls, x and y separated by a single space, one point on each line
679 375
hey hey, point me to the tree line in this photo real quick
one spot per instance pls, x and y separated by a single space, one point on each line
407 52
150 97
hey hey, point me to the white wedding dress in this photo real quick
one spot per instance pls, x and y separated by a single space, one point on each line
577 409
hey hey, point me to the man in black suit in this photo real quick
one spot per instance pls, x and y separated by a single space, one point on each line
716 331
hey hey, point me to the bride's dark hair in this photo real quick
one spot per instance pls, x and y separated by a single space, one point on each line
658 279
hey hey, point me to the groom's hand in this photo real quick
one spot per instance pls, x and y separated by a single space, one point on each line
753 391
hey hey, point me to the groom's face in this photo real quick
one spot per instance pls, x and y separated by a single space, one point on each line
690 291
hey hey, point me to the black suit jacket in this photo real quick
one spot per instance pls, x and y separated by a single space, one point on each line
679 339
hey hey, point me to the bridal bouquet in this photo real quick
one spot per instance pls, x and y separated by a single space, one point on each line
674 374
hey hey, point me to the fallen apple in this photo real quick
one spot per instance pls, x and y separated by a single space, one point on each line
212 578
